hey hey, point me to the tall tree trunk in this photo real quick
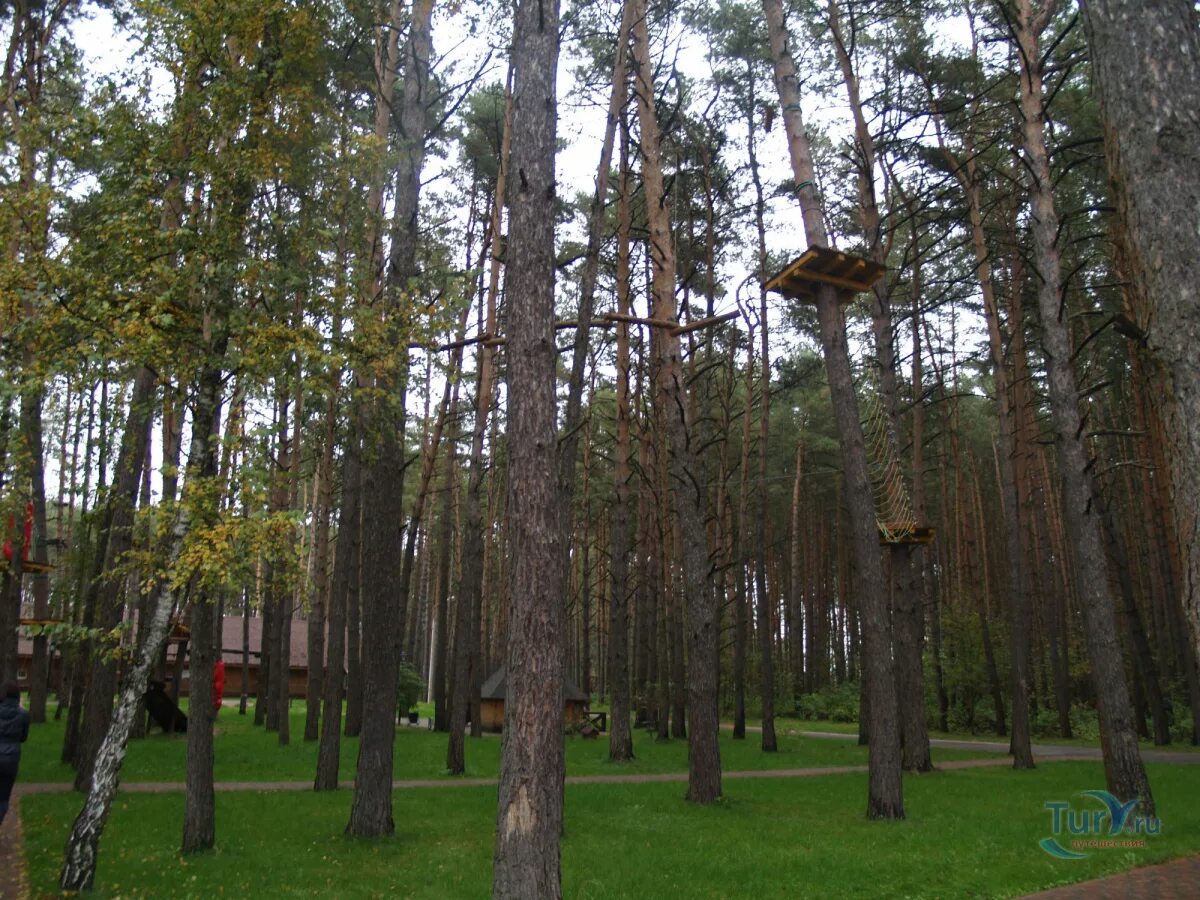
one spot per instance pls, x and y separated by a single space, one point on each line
31 430
572 421
8 625
83 846
319 596
741 598
1143 656
1123 767
243 700
675 563
620 739
1146 68
585 582
33 30
75 673
288 499
885 790
277 601
573 414
199 808
106 587
383 606
530 806
416 530
688 476
345 584
907 621
763 606
471 585
446 536
265 709
1020 606
429 458
799 624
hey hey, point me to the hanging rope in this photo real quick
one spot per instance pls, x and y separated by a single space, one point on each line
893 507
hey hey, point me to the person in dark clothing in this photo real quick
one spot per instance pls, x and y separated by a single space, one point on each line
14 729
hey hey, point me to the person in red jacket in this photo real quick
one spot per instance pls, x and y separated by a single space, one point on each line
218 685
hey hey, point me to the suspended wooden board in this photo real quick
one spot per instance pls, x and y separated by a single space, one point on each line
41 621
29 568
816 266
905 533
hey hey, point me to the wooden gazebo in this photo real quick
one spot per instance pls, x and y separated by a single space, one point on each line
491 701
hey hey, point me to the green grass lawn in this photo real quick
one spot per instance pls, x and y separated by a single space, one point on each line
248 753
786 724
968 834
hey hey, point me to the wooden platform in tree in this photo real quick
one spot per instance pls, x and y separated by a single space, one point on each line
41 622
905 533
29 568
848 273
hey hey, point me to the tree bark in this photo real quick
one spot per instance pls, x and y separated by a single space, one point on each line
446 534
688 477
1146 68
345 583
467 682
885 790
1143 656
620 738
383 606
763 606
908 633
319 596
199 806
83 846
621 742
741 598
1020 605
526 862
1126 776
31 429
799 623
106 588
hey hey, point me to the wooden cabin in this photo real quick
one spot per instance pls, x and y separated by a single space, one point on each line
231 652
491 701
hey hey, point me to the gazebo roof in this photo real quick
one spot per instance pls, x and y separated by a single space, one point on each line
497 686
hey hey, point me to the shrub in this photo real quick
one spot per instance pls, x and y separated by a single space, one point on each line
409 687
834 703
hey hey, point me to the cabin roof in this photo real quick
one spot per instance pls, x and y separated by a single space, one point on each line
231 642
497 685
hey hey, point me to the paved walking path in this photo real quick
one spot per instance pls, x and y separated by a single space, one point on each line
14 879
1045 751
1178 880
162 787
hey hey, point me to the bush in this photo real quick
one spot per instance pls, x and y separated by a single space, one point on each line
409 688
835 703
